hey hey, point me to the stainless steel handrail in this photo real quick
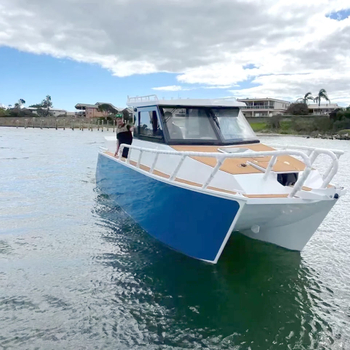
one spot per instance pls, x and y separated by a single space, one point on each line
142 98
337 152
313 153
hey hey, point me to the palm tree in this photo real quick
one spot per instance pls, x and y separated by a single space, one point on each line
321 94
307 96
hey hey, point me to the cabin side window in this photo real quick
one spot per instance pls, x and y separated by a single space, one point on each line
148 126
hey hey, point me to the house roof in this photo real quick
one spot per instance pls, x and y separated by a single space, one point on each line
95 106
323 106
261 99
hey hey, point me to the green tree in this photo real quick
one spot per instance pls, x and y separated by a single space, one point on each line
343 114
105 107
19 104
3 112
297 108
307 96
321 94
43 108
47 104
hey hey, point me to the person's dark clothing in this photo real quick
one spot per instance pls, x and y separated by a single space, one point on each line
125 137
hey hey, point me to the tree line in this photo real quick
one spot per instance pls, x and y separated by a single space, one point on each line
335 121
18 109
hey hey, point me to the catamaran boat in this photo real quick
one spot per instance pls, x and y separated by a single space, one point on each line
196 172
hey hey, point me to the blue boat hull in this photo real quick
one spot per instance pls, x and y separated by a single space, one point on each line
190 222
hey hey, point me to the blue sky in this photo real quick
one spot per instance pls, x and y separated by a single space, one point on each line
174 49
340 15
32 77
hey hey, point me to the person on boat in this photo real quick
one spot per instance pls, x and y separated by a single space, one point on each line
124 135
156 131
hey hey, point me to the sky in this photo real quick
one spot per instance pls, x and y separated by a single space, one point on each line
88 51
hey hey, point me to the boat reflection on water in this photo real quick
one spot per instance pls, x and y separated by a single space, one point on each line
257 294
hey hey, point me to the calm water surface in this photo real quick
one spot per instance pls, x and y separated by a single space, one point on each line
77 273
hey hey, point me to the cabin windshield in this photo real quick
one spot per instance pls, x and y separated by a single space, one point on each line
206 124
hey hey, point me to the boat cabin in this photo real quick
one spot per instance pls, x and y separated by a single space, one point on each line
191 122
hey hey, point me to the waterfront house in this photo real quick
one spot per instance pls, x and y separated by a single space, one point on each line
263 107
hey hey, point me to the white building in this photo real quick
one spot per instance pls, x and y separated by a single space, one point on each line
322 109
53 112
263 107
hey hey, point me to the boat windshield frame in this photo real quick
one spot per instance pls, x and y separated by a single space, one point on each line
213 127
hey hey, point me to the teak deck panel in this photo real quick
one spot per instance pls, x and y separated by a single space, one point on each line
237 166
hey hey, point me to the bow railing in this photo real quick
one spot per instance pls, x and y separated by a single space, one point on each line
221 157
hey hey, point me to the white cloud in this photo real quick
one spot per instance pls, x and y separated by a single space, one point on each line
286 48
218 87
169 88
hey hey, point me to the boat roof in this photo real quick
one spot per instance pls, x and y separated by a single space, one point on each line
152 100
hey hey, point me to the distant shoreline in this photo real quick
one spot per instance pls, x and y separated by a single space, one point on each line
91 124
